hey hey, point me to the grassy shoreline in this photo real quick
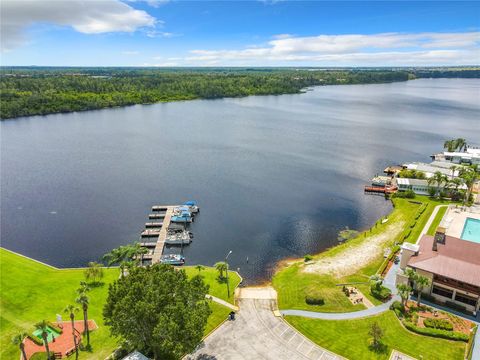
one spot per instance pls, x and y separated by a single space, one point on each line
32 291
293 282
350 338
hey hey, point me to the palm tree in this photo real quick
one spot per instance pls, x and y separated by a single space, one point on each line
421 283
43 327
460 144
93 272
199 268
221 267
449 145
84 301
125 256
469 175
404 292
18 340
437 179
454 168
71 310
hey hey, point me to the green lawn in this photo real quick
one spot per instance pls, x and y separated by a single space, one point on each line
292 284
31 292
437 220
350 338
217 288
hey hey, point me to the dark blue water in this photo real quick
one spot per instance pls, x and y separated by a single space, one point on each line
275 176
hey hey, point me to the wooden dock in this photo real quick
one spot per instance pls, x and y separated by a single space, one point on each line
156 216
380 189
158 252
153 224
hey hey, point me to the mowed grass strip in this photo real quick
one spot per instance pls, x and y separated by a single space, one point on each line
31 292
350 338
438 218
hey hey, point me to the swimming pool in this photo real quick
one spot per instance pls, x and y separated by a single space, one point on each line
471 230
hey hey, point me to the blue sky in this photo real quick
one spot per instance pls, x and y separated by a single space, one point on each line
243 33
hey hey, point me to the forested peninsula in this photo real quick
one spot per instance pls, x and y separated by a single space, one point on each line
26 91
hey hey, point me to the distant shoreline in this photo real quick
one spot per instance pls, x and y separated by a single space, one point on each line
43 91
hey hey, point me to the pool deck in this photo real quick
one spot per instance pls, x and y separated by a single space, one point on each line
454 219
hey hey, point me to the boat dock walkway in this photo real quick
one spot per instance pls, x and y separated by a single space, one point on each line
158 251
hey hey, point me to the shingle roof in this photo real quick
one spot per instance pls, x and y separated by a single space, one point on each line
456 259
135 356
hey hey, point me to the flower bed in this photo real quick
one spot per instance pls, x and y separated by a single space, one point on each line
430 322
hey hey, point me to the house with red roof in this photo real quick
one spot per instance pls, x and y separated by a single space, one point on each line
451 264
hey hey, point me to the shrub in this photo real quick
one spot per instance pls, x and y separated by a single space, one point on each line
307 258
381 293
397 305
55 328
35 339
407 234
314 297
443 334
408 194
442 324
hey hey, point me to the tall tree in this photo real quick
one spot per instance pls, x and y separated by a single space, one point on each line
221 267
460 144
158 310
469 175
71 310
125 256
83 300
404 291
19 341
421 283
376 333
43 327
439 181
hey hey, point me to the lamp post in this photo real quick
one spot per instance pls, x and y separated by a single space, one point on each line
226 272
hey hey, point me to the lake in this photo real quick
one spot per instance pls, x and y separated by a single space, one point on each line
275 176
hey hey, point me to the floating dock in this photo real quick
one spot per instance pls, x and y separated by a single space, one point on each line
161 230
153 224
151 233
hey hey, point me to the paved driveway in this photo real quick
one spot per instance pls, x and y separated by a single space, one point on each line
258 334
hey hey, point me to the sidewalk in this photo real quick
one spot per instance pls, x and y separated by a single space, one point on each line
388 282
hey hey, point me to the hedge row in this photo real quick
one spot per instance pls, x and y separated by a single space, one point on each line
443 334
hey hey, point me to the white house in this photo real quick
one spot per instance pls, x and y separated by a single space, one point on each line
420 187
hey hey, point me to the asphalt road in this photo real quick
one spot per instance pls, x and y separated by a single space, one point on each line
257 333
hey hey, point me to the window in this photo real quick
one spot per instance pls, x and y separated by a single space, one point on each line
466 299
442 291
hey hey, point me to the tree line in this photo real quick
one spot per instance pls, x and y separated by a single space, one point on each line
26 91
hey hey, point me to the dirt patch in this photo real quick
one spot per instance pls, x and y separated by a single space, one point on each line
354 258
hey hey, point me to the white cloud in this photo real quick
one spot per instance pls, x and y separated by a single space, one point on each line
130 52
353 50
156 3
162 34
88 17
